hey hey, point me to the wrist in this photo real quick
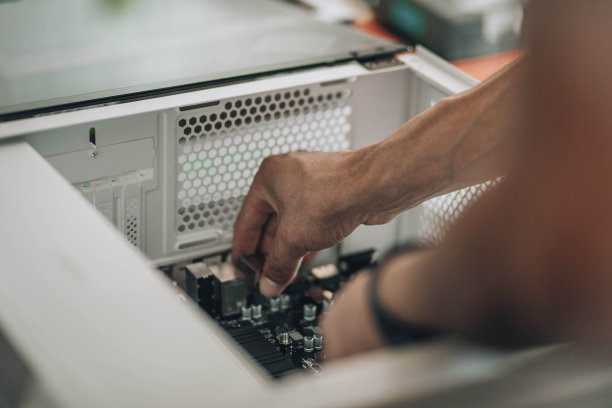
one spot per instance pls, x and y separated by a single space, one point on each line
356 176
391 322
410 166
399 287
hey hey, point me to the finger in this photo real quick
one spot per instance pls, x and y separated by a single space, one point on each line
266 242
249 224
280 268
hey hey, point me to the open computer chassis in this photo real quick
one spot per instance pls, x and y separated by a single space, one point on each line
282 334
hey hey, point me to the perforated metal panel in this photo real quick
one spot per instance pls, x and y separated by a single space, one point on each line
119 200
219 148
440 213
131 226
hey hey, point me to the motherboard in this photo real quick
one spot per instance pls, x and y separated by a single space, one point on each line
282 334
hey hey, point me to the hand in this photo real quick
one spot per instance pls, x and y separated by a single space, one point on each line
299 203
304 202
349 326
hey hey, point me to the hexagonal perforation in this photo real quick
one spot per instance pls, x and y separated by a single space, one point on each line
440 213
219 149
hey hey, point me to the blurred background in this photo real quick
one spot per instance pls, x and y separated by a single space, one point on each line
453 29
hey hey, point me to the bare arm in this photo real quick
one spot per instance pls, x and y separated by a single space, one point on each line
536 255
304 202
464 140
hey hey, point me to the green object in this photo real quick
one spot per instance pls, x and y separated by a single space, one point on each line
410 18
454 30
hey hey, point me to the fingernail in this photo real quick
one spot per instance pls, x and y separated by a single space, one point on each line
267 287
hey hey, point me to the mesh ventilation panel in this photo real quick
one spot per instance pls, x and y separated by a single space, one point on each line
119 200
440 213
219 149
132 221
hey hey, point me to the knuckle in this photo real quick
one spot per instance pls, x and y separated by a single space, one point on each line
275 162
268 164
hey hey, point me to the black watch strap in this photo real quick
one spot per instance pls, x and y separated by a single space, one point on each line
394 331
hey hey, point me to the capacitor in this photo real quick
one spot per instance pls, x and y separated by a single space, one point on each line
328 299
285 302
256 311
310 312
318 342
275 304
284 341
246 312
308 344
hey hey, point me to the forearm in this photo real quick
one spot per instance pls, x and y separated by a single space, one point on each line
420 288
533 257
462 141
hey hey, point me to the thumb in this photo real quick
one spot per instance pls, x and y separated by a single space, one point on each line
281 267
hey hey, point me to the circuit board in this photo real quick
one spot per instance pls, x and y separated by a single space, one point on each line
282 334
281 341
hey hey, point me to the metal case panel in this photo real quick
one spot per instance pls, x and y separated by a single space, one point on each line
207 146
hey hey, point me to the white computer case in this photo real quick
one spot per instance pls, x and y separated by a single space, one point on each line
65 266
